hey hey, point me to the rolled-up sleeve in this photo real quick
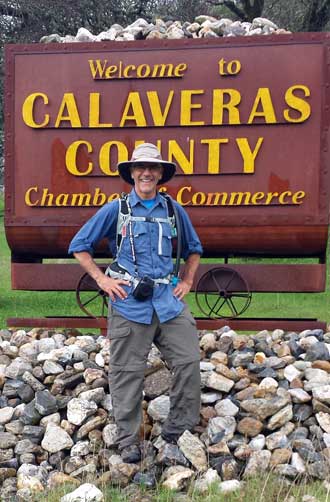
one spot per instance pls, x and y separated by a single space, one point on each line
190 240
102 225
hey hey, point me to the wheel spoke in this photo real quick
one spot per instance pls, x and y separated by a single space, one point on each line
229 296
215 281
220 307
104 306
88 281
240 295
213 309
90 300
232 306
230 280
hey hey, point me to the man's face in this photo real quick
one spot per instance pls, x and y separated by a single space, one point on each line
146 177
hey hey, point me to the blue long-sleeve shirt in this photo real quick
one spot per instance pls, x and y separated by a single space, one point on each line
153 249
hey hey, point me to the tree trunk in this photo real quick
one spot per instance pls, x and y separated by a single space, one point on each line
317 16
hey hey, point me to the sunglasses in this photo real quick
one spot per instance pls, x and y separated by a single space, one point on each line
143 167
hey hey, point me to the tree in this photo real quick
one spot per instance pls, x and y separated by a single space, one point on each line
182 10
317 15
244 10
295 15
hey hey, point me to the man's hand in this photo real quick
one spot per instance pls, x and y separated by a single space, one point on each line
187 280
182 289
112 287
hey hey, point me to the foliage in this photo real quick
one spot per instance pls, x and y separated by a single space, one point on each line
296 15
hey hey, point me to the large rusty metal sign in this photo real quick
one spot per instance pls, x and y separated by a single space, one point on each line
245 119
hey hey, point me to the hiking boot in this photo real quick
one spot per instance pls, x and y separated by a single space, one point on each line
131 454
170 437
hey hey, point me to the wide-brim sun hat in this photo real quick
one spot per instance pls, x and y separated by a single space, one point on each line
146 153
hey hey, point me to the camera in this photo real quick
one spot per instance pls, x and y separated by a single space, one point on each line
144 289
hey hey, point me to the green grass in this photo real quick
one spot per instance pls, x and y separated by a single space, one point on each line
27 303
266 488
39 304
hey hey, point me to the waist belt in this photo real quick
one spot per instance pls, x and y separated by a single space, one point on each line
135 280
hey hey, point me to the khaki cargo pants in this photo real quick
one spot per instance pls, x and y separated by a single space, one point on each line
177 340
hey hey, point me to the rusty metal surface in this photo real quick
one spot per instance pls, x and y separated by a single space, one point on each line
236 324
293 157
260 278
41 241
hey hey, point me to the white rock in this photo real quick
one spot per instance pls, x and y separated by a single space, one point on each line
219 382
99 359
64 354
262 21
45 344
316 374
107 404
290 372
159 408
302 365
79 409
226 408
307 342
54 418
52 368
299 395
298 463
106 35
322 393
210 397
109 435
277 440
326 439
178 480
80 449
210 477
85 493
115 460
17 368
208 342
280 418
193 450
29 482
204 366
97 395
277 333
323 420
221 425
56 439
231 485
268 384
79 366
257 463
84 35
257 443
6 414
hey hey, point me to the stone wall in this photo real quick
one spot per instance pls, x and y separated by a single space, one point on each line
202 27
265 405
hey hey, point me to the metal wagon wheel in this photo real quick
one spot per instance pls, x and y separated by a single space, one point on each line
222 293
92 300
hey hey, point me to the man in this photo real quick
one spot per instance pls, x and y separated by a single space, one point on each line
145 304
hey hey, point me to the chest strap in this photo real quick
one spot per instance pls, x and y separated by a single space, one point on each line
134 280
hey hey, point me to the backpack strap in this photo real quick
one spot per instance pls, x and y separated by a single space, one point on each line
170 212
124 213
176 232
173 218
